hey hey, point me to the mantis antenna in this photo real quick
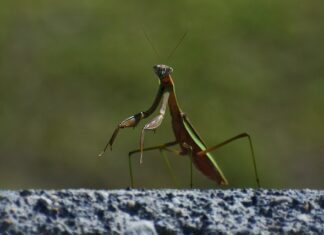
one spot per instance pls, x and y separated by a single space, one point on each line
176 47
151 43
172 51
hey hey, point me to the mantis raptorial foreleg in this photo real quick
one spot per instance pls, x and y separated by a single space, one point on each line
132 121
158 147
128 122
155 123
242 135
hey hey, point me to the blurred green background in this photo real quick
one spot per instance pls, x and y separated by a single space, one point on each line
70 71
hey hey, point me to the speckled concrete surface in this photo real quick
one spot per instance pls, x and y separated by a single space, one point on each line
236 211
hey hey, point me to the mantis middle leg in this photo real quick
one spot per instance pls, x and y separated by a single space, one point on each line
158 147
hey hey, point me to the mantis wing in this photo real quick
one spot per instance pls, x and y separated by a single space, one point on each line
213 172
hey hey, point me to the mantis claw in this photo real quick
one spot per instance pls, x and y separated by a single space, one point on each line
101 154
128 122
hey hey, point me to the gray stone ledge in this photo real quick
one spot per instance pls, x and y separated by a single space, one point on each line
232 211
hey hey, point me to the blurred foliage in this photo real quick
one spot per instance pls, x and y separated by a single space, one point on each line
70 71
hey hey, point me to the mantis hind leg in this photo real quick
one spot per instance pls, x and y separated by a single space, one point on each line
167 162
191 157
158 147
242 135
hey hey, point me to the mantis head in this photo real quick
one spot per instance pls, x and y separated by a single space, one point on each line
162 70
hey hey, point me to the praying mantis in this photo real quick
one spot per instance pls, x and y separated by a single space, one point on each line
185 134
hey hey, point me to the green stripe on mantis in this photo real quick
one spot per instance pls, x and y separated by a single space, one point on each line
194 135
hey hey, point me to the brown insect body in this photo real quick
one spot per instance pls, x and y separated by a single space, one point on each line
202 162
185 134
